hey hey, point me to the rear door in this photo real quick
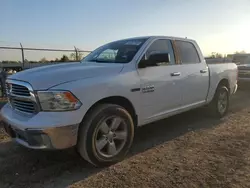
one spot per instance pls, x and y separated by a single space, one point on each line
160 89
194 73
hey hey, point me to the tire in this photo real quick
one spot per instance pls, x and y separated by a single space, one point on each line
215 107
96 141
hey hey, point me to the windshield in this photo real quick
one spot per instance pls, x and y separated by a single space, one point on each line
116 52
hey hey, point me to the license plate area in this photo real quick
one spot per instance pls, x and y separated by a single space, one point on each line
8 129
15 133
21 135
30 137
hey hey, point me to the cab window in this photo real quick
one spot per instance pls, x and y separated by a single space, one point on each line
161 46
187 51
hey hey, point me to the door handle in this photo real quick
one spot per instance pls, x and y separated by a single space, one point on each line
203 71
175 74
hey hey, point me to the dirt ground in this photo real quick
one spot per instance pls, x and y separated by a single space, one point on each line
187 150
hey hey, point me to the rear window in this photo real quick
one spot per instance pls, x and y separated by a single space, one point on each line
187 51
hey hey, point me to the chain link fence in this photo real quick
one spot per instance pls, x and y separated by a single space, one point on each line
76 54
9 66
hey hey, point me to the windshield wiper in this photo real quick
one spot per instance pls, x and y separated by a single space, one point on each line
100 61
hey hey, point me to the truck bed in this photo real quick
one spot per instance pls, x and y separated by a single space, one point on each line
218 71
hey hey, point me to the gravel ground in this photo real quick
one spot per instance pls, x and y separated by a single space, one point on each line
187 150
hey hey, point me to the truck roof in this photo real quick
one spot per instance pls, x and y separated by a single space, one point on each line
159 36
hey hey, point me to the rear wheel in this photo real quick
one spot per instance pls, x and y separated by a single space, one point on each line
106 135
220 103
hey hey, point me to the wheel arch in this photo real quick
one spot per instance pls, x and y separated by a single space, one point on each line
213 105
224 82
118 100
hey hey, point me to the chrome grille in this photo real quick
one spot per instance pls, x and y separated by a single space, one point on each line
7 88
21 96
20 90
26 106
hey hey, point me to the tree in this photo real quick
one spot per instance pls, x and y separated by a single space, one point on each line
6 62
33 62
216 55
43 60
74 58
240 52
64 58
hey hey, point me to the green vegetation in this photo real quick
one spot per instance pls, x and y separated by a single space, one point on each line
215 55
72 57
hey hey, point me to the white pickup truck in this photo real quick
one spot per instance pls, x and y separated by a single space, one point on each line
96 104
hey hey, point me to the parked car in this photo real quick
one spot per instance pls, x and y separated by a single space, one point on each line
244 73
96 104
242 60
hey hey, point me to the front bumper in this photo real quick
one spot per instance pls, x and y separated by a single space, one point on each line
50 138
43 130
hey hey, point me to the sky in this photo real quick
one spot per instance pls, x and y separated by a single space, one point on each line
217 25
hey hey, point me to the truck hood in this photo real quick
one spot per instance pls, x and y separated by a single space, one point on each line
42 78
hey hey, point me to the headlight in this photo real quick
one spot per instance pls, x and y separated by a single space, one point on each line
58 101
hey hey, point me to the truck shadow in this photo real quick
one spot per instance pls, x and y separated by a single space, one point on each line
165 130
21 167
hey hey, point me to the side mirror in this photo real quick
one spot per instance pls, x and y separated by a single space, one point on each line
159 57
154 58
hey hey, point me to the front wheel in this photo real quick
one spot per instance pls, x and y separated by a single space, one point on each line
220 103
106 135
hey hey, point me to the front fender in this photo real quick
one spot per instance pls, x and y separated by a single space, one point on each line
89 91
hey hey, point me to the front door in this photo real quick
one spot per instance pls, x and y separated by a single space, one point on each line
160 89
